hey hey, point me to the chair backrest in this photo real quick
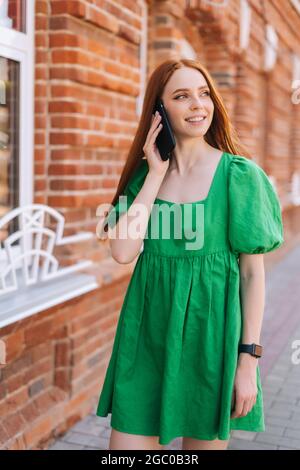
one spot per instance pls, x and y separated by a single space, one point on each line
26 254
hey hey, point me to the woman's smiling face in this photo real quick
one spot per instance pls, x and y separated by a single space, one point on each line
193 101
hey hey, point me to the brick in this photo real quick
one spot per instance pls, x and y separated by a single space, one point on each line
41 330
3 434
236 444
62 379
15 400
40 368
14 345
77 8
284 402
29 412
61 445
13 424
285 448
99 443
277 421
247 435
69 185
14 383
38 431
275 430
36 387
281 413
294 433
62 353
87 428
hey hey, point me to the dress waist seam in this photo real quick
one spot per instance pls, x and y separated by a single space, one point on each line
152 252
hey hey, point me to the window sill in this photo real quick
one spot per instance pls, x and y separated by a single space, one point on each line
33 299
30 300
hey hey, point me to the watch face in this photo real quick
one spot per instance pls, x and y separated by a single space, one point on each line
258 349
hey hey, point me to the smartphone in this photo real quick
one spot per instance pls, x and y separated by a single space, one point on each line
165 141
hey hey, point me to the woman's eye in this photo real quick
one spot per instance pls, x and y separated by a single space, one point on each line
208 93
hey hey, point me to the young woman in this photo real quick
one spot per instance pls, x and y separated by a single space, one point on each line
176 369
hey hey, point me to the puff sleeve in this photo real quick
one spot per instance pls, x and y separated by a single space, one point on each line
131 190
255 220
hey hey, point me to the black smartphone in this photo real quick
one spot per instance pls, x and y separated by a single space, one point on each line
165 141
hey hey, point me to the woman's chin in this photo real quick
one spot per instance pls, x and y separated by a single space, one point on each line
196 132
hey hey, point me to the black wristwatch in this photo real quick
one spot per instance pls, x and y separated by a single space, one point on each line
253 349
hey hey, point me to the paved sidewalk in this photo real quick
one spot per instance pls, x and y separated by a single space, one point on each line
280 376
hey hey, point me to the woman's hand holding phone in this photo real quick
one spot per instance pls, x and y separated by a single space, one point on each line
155 162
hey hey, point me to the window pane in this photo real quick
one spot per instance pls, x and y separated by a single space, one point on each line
13 14
9 136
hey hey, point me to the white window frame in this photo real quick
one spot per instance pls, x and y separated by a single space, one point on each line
143 58
271 48
19 46
245 24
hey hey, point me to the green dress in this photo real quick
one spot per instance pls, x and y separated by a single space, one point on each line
172 368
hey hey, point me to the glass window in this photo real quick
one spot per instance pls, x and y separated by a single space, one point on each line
16 108
9 134
13 14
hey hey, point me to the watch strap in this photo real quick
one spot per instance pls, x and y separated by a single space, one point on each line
253 349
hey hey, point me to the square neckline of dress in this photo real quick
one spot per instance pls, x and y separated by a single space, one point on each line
209 191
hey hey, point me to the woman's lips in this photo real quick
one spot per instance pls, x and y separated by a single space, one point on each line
196 123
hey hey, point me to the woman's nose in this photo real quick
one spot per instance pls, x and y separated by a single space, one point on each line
197 101
197 104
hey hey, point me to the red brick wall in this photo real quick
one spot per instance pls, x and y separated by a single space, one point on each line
87 80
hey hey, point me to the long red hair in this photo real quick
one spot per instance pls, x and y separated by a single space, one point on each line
221 134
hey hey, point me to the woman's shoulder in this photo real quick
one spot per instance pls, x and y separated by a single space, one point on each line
237 160
244 168
254 208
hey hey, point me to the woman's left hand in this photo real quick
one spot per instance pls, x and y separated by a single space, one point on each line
245 387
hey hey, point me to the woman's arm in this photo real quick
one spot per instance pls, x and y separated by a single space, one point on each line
252 276
123 248
252 284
